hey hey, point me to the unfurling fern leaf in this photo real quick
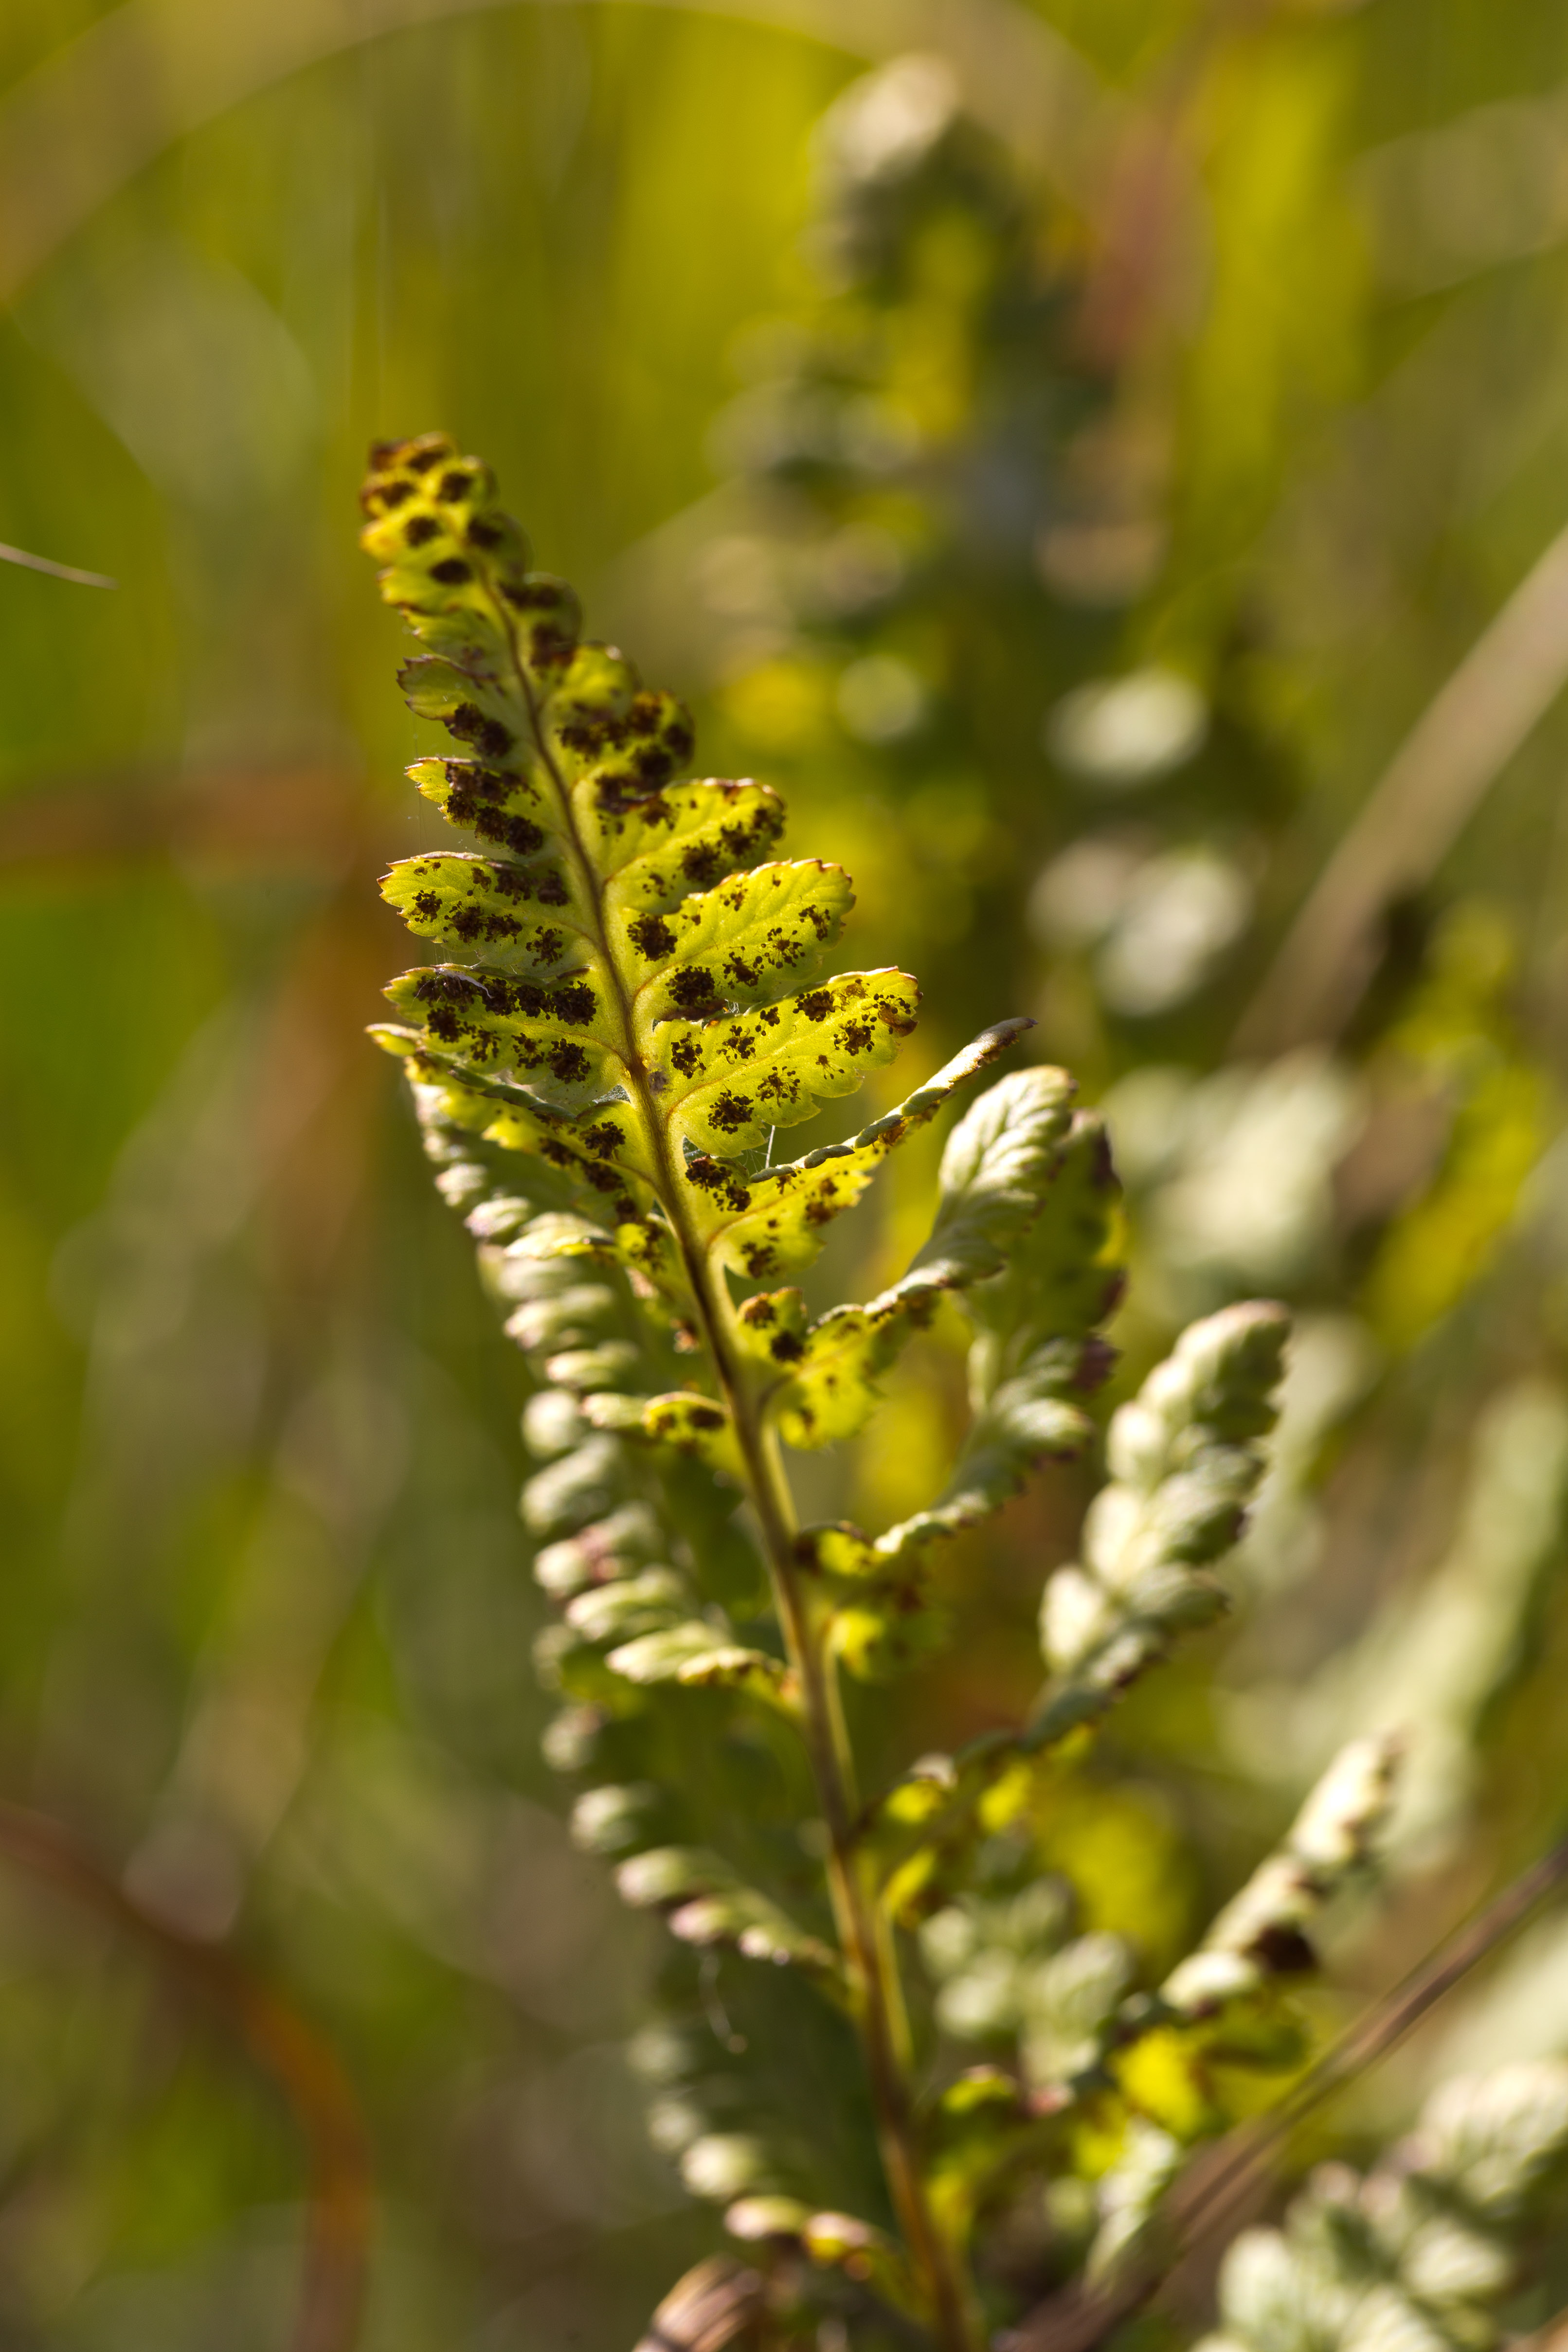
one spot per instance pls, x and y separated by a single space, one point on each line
633 999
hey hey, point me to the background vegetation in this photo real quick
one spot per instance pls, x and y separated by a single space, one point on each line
1215 350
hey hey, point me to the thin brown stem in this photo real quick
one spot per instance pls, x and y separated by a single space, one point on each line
1371 2038
1079 2320
300 2064
56 571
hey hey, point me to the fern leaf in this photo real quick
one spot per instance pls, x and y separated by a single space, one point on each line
1063 1274
687 838
838 2241
1024 1232
773 1222
1225 2002
999 1161
690 1652
715 2303
743 944
629 1606
1037 1355
998 1164
1186 1460
1262 1932
1186 1456
730 1080
821 1380
617 1001
687 1423
874 1607
704 1904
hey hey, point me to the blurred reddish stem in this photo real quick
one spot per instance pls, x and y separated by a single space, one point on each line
306 819
301 2065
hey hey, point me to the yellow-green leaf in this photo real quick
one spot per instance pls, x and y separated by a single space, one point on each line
516 913
729 1081
685 837
740 944
773 1222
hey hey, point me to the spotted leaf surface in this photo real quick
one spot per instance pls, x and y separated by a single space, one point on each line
549 1033
684 1421
998 1174
628 988
505 808
874 1607
729 1081
655 851
591 1157
829 1389
773 1222
515 914
744 943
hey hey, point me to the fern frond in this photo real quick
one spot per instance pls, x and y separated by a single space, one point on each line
633 1000
1186 1459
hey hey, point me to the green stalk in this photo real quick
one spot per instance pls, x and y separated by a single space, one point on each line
876 1992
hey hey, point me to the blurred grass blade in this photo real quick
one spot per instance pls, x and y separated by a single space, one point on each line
56 571
91 116
1453 755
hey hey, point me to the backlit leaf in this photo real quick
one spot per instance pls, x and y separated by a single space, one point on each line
772 1222
729 1081
743 943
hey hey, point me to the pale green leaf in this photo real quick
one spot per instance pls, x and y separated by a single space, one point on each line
700 1655
756 1927
633 1605
1063 1274
705 1903
1186 1459
1000 1159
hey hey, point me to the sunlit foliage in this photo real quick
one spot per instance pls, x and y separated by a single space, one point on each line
1185 393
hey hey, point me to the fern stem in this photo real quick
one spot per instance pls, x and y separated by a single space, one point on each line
876 1989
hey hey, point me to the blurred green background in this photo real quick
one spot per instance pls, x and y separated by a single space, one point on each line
1071 462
